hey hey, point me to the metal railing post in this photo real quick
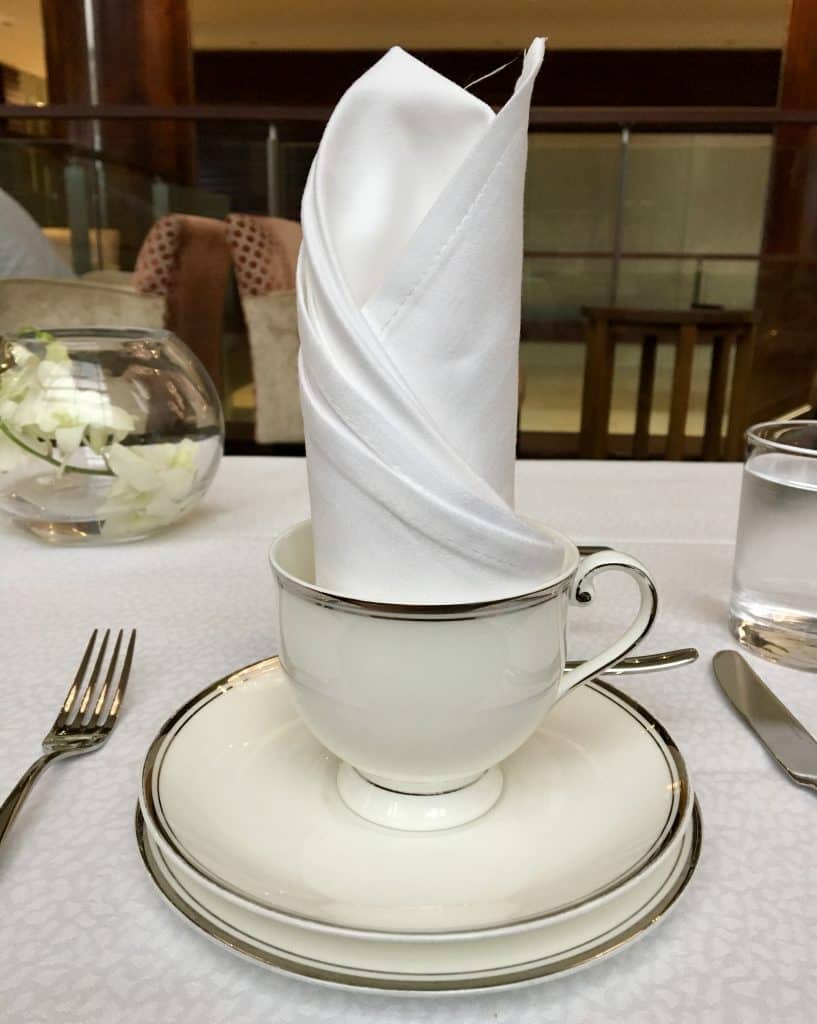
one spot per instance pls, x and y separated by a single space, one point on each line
273 182
160 198
79 220
618 224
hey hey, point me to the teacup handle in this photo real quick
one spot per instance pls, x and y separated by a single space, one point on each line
581 592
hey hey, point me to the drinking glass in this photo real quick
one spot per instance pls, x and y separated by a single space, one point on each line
774 591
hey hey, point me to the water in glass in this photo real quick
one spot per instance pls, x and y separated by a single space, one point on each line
774 595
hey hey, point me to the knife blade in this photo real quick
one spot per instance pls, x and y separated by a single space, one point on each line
786 739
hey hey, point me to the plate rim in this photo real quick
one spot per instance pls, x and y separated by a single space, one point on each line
413 986
172 726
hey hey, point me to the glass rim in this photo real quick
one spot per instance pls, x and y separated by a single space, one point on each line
755 436
66 333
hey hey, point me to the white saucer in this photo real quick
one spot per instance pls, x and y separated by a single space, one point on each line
553 949
243 801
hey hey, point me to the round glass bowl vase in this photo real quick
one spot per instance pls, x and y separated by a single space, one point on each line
106 435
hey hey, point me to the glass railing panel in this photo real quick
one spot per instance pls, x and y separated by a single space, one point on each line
555 288
728 283
571 188
656 283
33 174
666 220
695 192
553 372
292 167
232 161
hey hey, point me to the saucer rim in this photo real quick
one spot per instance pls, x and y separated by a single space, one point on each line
414 984
672 831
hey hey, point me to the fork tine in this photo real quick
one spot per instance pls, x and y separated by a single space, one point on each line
70 697
89 689
96 718
116 703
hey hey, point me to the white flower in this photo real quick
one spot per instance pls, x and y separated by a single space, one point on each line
155 485
20 376
68 440
40 400
16 382
58 404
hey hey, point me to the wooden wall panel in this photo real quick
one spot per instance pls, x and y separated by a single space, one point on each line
143 56
786 352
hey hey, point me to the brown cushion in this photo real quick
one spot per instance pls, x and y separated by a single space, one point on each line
186 260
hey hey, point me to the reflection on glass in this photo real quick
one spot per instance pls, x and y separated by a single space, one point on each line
570 191
729 283
553 386
690 193
293 162
646 230
656 283
556 288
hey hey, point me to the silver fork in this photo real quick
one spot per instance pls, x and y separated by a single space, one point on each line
76 730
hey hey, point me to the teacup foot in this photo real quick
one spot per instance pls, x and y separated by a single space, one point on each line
418 812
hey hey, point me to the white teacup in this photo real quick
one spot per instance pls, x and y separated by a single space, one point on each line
422 703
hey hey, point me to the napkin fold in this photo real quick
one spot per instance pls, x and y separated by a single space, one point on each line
409 283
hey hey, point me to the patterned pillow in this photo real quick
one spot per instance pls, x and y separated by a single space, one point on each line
156 262
264 251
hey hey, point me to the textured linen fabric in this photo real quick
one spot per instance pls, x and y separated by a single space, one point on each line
48 303
265 253
409 285
86 939
272 323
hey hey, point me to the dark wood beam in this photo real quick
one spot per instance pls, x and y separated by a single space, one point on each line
786 350
568 77
134 54
574 117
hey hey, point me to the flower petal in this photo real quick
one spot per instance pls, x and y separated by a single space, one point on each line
131 466
69 439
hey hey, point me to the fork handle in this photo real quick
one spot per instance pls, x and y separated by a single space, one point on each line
14 801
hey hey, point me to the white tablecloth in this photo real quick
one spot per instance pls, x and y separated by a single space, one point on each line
84 936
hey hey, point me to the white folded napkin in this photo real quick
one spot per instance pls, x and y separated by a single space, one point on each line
409 287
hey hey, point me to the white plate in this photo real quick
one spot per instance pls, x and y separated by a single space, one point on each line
242 799
410 967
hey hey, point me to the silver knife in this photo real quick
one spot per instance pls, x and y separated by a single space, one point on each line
789 743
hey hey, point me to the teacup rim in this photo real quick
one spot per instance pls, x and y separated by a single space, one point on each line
385 609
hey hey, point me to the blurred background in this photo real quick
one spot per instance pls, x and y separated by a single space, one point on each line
670 267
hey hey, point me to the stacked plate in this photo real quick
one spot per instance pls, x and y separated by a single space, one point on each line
241 827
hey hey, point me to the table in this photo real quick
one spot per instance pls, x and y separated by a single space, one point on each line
85 937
